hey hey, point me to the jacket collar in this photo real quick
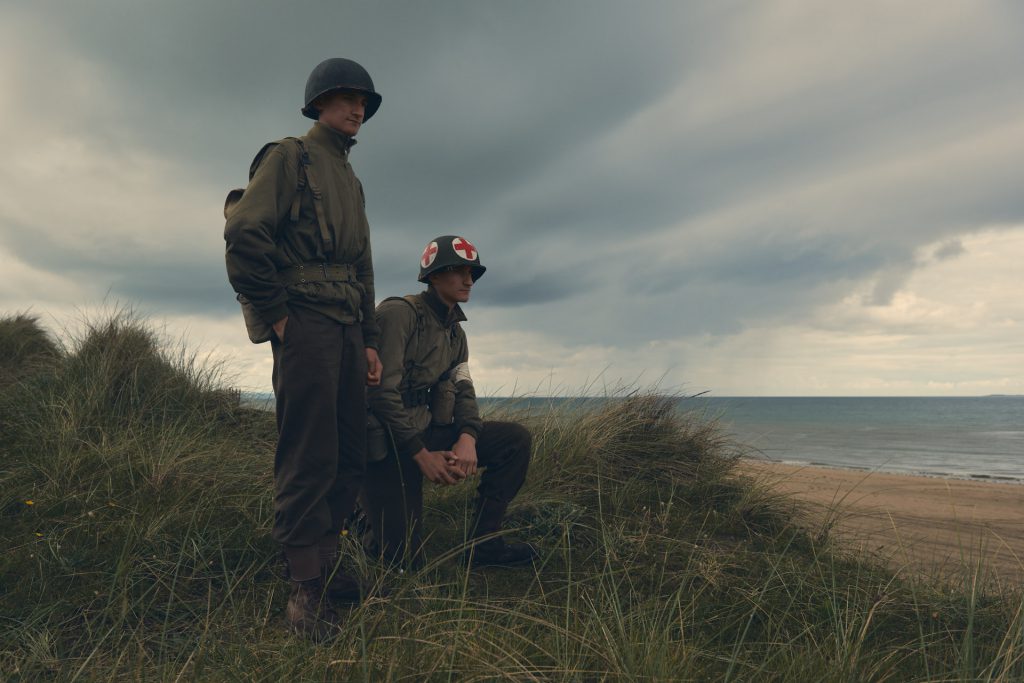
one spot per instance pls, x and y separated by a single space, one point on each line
334 141
440 309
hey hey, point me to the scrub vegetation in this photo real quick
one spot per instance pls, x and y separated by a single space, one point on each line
136 499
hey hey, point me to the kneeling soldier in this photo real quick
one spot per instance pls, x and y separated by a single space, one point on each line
425 422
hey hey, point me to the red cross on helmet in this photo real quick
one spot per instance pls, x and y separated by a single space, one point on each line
449 251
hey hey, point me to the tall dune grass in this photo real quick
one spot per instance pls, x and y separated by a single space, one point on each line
136 499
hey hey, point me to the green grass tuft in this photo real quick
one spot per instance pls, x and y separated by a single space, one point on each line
136 502
25 348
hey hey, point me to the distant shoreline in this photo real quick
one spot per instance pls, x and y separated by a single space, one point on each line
923 474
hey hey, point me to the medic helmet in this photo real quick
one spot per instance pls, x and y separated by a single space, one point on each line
449 251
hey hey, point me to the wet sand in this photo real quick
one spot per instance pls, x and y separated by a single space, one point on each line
939 527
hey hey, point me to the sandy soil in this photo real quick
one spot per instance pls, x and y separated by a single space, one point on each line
940 527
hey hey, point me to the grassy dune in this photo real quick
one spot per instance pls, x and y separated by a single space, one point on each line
136 502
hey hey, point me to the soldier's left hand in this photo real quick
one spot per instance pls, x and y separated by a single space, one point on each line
374 368
465 452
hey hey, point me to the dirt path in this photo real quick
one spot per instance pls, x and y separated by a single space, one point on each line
937 526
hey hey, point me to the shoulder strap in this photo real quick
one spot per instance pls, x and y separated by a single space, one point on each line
306 176
414 339
411 301
300 187
417 306
305 180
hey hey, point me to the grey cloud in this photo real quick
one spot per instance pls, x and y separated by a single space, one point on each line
178 279
950 249
176 288
887 284
794 259
619 317
452 75
520 289
792 144
506 123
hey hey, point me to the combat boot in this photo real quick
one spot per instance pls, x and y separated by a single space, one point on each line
309 611
498 552
495 552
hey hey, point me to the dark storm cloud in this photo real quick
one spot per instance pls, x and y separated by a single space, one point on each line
515 287
778 147
789 261
477 99
562 139
466 85
177 279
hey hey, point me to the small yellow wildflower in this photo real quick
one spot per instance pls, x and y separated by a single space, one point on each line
344 532
39 535
30 502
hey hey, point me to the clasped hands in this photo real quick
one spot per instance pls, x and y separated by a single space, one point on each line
449 467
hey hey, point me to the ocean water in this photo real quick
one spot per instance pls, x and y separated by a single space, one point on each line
969 438
976 438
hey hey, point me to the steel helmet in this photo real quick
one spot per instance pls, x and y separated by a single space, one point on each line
338 73
449 251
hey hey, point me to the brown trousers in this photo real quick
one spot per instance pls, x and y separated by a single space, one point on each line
392 496
320 387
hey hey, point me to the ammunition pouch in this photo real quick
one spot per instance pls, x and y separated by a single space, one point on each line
440 398
414 398
442 403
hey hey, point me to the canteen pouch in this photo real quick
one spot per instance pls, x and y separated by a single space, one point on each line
442 403
259 330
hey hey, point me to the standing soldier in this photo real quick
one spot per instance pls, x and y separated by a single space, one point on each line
425 422
298 255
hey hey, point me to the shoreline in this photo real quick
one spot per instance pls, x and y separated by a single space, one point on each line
925 474
936 526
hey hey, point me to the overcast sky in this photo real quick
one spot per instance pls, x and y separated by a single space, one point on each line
747 198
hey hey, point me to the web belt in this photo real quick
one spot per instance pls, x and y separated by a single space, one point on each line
317 272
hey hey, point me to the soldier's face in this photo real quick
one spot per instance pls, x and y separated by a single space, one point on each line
344 111
453 286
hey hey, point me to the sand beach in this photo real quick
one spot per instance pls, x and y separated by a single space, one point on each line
936 526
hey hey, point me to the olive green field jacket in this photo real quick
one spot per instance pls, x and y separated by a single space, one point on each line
262 241
421 345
